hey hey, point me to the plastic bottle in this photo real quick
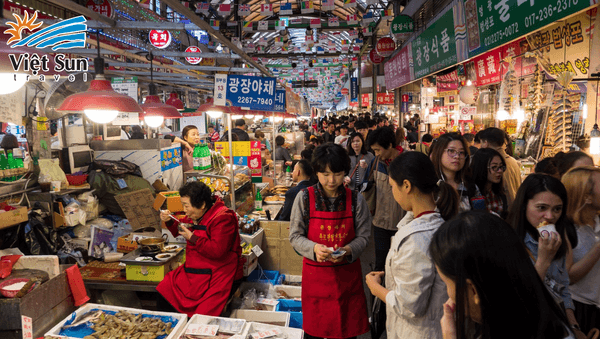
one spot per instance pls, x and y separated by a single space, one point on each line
258 201
288 172
12 168
3 167
206 161
197 157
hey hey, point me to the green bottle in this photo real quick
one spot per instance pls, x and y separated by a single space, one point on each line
12 167
258 201
205 157
3 167
197 157
288 172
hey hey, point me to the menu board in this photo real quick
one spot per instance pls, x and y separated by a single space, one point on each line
245 153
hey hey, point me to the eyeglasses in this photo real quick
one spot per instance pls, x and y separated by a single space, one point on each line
497 168
452 153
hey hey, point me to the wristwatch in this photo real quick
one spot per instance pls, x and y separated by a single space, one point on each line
576 327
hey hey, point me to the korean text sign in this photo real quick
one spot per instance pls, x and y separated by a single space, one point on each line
398 70
279 100
492 23
435 48
251 92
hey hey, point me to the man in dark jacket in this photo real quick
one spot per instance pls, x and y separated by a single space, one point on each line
302 173
240 130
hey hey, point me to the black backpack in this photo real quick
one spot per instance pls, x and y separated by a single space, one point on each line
116 168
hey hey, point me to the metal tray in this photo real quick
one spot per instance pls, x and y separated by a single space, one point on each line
129 259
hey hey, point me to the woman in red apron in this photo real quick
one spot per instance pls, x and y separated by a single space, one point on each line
330 226
213 254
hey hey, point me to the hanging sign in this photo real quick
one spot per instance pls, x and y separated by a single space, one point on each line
385 98
159 38
354 88
220 90
435 48
402 27
251 92
398 70
279 101
366 100
375 58
494 24
103 7
487 68
193 60
345 91
126 86
385 47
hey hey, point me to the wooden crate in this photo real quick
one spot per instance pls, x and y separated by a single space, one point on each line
45 305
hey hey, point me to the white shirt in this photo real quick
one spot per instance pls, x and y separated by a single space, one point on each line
414 305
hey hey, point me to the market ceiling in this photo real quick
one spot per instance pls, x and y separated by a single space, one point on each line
285 54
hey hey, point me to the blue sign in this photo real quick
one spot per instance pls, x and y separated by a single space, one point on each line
251 92
279 100
354 88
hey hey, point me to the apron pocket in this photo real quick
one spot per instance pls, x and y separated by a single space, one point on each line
195 282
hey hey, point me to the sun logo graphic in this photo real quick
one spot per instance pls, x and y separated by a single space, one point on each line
67 34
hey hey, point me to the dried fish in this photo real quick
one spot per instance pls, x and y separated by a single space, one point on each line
126 325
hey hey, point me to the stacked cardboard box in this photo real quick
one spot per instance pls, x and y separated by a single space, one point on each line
279 255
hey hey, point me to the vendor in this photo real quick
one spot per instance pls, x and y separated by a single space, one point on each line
214 267
302 174
191 138
280 152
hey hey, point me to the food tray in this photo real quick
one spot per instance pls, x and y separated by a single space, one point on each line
263 317
181 318
129 258
293 292
205 319
291 333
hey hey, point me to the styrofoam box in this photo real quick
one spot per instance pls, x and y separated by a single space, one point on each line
205 319
254 239
291 333
264 317
290 278
291 291
47 263
181 318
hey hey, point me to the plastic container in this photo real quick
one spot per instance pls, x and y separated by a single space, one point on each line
294 308
77 180
265 276
290 333
263 317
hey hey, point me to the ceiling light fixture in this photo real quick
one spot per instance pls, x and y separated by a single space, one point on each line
100 102
155 112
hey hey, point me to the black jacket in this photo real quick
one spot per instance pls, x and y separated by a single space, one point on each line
242 135
290 196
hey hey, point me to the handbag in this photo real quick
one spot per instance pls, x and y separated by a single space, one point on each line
378 318
370 191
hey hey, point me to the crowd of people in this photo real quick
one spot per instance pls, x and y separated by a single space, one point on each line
463 247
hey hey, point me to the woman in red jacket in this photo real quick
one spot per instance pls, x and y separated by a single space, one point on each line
213 266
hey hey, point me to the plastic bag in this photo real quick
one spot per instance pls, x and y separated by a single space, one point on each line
51 168
89 203
74 214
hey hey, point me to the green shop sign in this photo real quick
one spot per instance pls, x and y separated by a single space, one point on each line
435 48
402 27
494 23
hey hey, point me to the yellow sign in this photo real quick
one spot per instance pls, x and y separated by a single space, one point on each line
42 124
239 148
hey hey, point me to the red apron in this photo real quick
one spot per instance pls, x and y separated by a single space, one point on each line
333 297
201 285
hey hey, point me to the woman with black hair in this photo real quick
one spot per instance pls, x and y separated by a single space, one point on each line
487 167
280 152
494 290
566 161
191 138
451 159
330 227
413 292
540 200
213 267
359 161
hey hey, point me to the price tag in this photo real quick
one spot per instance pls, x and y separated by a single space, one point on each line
266 334
257 250
26 327
265 301
202 329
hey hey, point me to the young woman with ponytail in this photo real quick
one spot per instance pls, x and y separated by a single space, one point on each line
413 292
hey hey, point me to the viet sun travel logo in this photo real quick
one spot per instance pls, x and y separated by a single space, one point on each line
63 35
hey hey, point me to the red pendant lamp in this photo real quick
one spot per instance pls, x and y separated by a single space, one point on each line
100 102
175 101
155 112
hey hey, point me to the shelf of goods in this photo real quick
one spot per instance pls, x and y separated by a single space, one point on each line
220 185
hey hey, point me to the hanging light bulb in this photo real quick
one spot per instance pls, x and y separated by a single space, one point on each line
155 111
236 116
214 114
100 102
502 115
585 111
175 101
10 82
469 82
595 140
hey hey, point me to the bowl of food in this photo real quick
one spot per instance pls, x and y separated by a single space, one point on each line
164 256
10 287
